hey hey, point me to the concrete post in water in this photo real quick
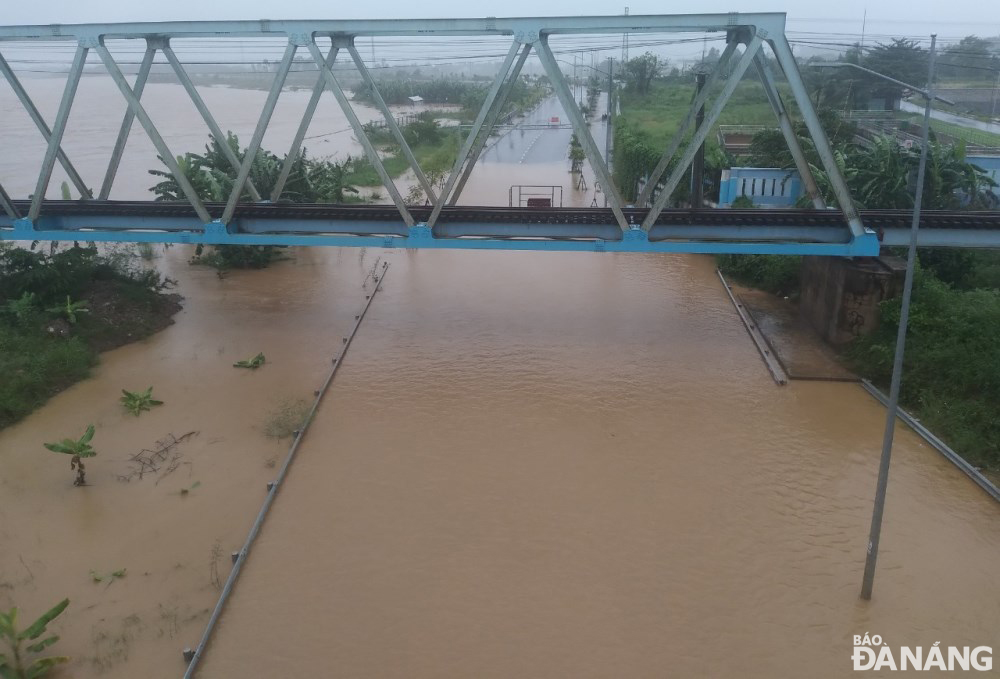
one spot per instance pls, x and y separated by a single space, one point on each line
897 366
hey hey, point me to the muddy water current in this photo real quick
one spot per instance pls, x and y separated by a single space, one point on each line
530 464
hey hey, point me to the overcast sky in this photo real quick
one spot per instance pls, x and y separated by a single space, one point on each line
949 18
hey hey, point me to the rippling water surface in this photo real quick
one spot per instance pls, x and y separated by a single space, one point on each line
576 465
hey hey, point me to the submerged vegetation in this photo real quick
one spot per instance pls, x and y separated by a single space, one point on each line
78 449
47 339
23 646
251 363
136 402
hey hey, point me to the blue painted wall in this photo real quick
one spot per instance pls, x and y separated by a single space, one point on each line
765 186
992 166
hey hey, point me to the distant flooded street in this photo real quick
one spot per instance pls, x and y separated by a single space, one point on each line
530 464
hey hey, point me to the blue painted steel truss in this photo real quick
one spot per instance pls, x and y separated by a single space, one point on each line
746 36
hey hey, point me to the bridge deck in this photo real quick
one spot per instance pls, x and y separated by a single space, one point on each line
786 231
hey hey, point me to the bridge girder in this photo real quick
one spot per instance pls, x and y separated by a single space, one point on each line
753 31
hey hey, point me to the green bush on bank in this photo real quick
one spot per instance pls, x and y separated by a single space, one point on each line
777 274
41 350
951 366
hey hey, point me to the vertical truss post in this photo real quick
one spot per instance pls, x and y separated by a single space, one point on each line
699 136
783 52
477 126
258 133
675 142
199 104
58 128
390 121
8 205
490 122
597 163
126 127
29 106
359 131
154 135
300 134
785 123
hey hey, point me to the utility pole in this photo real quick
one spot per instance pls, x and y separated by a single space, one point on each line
897 365
698 165
996 96
610 123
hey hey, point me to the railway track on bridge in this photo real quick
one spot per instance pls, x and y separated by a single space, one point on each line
873 219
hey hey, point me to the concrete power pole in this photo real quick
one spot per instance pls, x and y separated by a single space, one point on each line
698 165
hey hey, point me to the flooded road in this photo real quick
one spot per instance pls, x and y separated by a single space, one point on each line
530 464
562 465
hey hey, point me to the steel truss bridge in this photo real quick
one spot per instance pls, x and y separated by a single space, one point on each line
267 220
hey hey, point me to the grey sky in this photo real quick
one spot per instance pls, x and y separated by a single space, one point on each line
951 19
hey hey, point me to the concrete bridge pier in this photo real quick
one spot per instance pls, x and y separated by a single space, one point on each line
840 296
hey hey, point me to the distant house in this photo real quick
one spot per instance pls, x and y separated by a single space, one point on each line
414 101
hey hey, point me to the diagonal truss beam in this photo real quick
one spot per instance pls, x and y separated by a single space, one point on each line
154 135
390 122
258 134
58 128
127 120
199 103
359 132
33 112
300 134
675 142
477 149
702 132
8 205
785 123
597 163
477 126
783 53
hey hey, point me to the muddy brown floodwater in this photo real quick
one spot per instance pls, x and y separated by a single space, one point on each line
530 464
573 465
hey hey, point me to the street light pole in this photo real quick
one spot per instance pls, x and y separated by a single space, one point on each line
897 366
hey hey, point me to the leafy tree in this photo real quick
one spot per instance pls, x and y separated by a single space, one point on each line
903 60
972 58
16 665
79 449
641 71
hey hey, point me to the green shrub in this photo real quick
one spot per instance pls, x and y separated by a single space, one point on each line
778 274
951 367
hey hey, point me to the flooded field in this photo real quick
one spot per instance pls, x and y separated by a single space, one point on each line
531 464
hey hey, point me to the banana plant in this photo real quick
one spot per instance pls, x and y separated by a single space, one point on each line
79 449
17 662
137 401
70 310
250 363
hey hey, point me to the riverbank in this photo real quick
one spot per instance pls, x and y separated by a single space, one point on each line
58 312
952 361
